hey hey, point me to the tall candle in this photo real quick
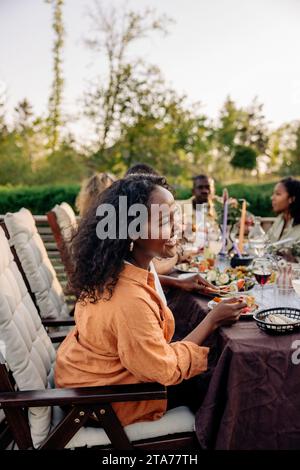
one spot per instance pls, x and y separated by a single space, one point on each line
225 218
242 227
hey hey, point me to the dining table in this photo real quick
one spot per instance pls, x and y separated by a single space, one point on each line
253 397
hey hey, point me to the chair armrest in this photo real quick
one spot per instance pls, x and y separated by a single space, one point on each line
58 322
84 395
57 336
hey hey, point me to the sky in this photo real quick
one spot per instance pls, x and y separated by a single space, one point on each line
215 48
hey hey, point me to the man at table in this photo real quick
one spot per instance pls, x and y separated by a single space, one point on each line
203 193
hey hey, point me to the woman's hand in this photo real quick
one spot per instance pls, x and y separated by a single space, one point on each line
226 312
192 283
286 253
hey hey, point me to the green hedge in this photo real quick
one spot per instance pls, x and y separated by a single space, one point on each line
40 199
257 195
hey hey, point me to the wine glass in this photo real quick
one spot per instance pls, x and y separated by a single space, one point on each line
213 243
262 270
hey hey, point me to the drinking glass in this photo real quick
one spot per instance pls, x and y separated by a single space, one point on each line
283 297
214 239
262 270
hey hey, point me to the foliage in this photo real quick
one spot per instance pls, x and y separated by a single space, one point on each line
63 166
244 157
55 100
38 199
258 197
138 117
110 103
234 211
291 160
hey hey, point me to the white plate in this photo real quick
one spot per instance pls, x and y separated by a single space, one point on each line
211 304
184 268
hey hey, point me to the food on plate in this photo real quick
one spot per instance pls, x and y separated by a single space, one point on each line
251 304
223 279
230 278
238 272
202 265
248 299
186 267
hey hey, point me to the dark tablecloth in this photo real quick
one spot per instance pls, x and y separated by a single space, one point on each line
253 399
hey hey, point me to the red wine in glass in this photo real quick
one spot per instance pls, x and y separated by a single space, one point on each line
262 277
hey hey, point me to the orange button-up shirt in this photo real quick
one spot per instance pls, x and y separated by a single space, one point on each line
126 340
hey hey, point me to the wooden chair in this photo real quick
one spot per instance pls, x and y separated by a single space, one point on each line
32 405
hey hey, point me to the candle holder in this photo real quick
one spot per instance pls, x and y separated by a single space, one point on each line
225 248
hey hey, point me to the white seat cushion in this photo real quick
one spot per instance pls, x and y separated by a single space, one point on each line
177 420
66 220
24 342
36 264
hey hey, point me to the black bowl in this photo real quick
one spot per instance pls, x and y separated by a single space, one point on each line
244 261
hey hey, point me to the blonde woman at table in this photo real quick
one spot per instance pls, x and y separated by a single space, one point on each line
286 203
123 329
91 188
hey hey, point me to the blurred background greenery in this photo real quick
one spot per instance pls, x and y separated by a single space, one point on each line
137 117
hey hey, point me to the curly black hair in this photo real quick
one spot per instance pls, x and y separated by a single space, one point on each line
97 263
292 186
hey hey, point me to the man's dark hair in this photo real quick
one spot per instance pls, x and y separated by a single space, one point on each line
141 168
200 177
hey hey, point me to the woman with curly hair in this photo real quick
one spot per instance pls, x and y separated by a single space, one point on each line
123 328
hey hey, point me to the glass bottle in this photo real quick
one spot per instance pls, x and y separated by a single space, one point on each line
201 225
257 238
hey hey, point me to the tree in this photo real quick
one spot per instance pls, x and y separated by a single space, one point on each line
64 166
244 158
290 148
113 35
240 127
295 153
55 100
14 166
158 127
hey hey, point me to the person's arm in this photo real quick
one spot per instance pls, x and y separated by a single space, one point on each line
144 351
192 283
227 311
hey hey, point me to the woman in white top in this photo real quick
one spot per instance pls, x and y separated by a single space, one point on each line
286 203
